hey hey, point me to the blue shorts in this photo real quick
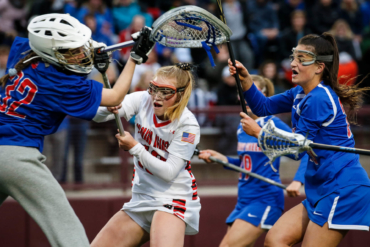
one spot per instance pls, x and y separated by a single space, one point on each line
347 208
256 214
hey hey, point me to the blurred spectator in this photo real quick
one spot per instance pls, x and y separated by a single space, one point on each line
138 22
264 24
347 49
103 15
150 65
144 81
291 35
213 75
4 54
352 14
227 93
76 140
269 70
125 11
236 12
323 16
53 144
41 7
171 55
13 17
365 10
365 45
286 10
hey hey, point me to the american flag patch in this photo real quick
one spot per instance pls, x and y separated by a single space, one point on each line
188 137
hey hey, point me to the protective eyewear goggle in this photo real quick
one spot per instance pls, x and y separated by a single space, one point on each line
308 61
163 92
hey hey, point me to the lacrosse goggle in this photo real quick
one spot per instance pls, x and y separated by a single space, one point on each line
307 58
163 91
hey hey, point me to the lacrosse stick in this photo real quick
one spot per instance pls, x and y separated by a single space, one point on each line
182 27
275 142
232 58
237 168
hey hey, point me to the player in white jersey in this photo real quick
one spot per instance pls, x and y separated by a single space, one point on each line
164 205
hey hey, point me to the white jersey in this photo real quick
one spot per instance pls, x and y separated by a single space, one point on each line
161 138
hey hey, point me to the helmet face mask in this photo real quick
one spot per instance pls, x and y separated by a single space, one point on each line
60 39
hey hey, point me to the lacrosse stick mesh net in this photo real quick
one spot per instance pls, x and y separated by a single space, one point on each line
190 26
275 142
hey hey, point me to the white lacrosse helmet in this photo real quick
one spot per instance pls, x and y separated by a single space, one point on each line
55 37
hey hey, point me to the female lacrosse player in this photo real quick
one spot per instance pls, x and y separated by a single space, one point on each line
259 204
337 187
45 81
165 205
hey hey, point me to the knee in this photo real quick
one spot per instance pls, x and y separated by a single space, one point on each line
275 238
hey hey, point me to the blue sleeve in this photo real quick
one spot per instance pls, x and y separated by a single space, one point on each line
82 100
299 175
281 125
234 161
263 106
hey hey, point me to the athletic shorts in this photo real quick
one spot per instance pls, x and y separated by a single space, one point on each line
256 214
141 209
347 208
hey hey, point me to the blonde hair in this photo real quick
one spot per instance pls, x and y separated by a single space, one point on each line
333 31
266 86
184 78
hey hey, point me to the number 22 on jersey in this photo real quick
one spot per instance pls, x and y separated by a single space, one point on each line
27 90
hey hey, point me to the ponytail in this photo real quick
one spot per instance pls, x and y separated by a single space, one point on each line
266 86
32 57
350 96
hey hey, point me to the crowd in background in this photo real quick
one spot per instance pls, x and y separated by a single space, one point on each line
264 33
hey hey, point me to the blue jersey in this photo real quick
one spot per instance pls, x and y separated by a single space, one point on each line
321 114
252 159
34 102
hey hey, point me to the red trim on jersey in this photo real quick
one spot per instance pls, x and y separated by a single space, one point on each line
179 201
158 125
179 215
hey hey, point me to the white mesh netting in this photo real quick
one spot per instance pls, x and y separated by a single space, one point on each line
189 27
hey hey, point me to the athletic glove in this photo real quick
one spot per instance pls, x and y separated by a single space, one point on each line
101 60
143 46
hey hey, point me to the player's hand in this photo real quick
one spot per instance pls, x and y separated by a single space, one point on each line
245 77
143 45
101 60
249 125
293 189
114 109
205 154
126 142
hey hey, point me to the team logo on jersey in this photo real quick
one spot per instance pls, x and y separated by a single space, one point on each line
188 137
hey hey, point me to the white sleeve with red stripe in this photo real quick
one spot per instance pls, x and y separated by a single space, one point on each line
186 138
166 170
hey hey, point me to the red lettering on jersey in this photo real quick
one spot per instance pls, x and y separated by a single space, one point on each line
161 144
155 154
34 65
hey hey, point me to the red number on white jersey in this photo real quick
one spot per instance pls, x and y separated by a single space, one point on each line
247 165
27 99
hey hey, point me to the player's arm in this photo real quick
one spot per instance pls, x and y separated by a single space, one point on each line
206 154
298 180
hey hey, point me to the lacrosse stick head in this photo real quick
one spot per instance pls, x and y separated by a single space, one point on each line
275 142
189 27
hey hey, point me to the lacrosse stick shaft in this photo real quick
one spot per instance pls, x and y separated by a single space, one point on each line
252 174
116 116
118 46
339 148
232 58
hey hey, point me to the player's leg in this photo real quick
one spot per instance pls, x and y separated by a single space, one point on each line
241 234
121 231
167 230
224 239
30 182
289 229
322 236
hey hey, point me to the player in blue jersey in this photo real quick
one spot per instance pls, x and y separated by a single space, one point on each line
259 204
45 81
337 187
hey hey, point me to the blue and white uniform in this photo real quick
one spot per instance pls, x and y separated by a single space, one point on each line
335 182
33 104
259 203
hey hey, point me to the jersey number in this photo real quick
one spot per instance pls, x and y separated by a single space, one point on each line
155 154
349 133
20 84
247 165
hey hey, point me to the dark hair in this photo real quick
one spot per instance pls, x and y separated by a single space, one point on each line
350 96
20 66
